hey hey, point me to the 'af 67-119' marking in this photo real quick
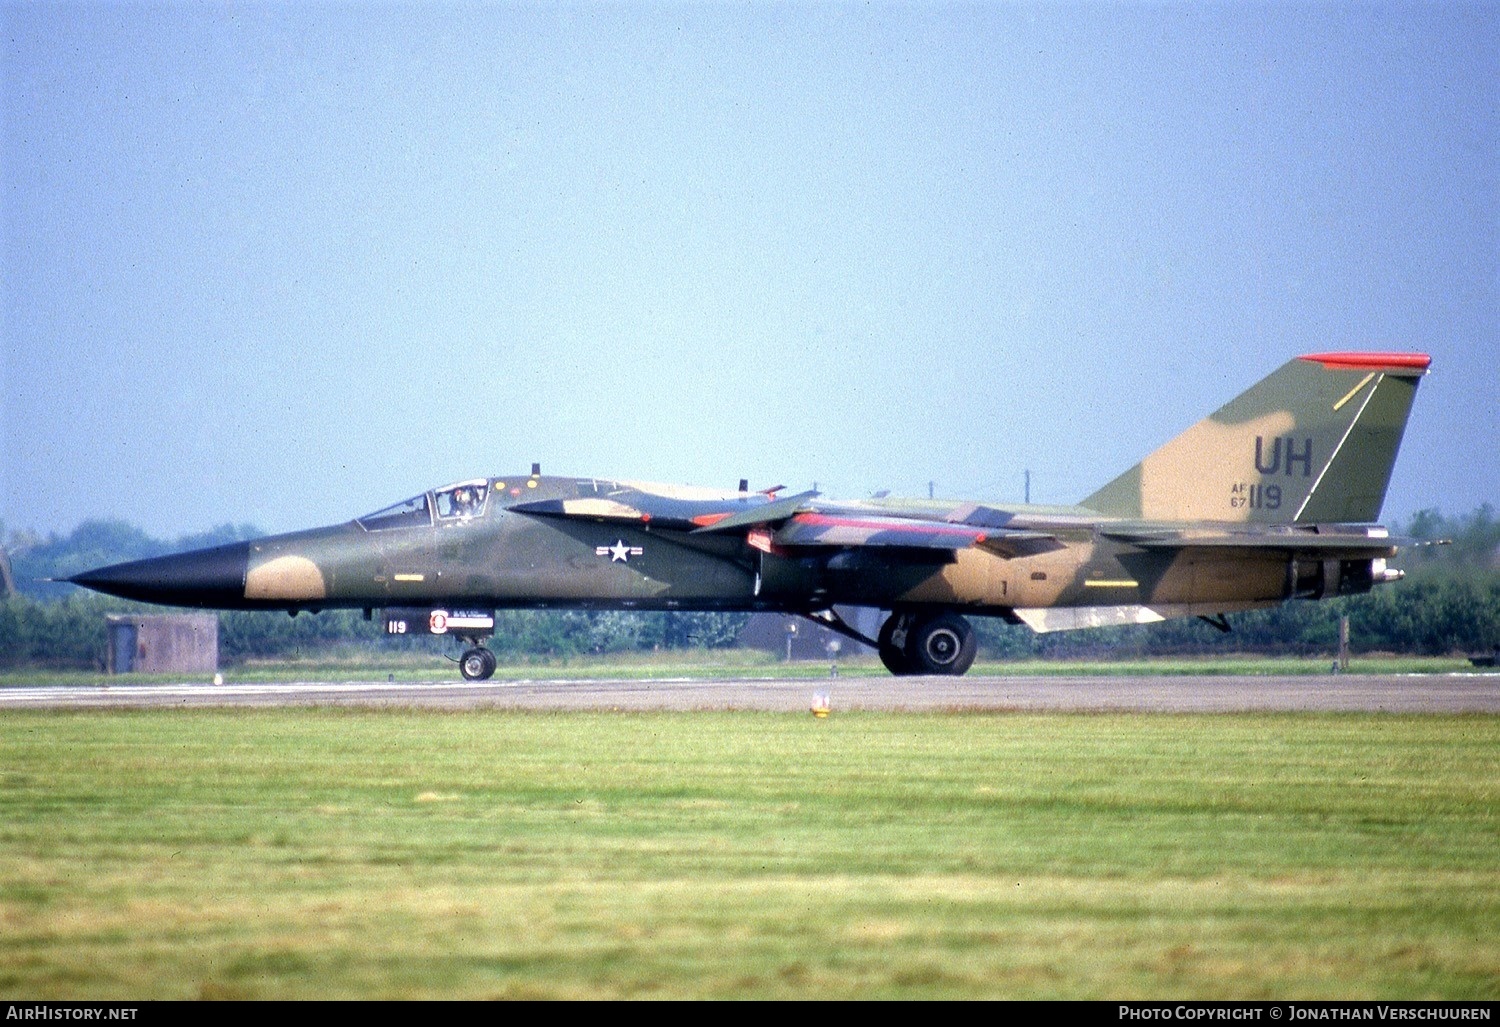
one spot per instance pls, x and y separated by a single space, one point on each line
1255 497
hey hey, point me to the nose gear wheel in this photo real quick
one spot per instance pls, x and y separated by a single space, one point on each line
477 664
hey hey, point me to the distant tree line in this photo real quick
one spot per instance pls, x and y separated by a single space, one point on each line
1449 603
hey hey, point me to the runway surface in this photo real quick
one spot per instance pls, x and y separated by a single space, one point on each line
1413 693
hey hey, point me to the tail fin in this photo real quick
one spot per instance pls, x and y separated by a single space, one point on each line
1314 441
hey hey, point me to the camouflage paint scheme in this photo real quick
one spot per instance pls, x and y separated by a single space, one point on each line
1271 498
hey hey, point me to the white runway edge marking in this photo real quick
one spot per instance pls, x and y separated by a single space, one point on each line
199 691
1458 692
205 690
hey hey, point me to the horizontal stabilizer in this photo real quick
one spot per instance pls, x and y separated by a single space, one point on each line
1328 544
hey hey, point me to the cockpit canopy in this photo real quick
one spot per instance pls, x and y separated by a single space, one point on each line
466 499
453 504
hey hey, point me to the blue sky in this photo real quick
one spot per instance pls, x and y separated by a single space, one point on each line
288 263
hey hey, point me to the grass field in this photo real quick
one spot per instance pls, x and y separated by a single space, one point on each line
345 853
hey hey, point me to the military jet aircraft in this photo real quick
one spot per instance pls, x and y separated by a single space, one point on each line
1269 499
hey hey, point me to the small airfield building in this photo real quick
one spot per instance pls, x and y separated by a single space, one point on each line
186 643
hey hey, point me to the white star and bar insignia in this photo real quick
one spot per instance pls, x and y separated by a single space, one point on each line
619 552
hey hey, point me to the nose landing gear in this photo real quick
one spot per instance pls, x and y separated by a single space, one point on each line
477 663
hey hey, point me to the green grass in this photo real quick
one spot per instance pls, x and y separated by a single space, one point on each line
346 853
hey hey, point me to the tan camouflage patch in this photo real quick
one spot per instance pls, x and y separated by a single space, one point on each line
1190 477
286 577
600 508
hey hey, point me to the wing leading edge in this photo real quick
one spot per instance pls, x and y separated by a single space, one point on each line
843 530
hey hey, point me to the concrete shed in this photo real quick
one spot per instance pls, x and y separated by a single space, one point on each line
183 643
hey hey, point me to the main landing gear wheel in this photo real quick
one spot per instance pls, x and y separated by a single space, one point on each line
937 644
477 664
943 645
892 654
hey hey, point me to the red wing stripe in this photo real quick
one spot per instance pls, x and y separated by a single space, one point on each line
925 527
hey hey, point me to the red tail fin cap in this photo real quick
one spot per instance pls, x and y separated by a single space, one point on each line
1371 361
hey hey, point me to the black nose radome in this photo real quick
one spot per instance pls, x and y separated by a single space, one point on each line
203 577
